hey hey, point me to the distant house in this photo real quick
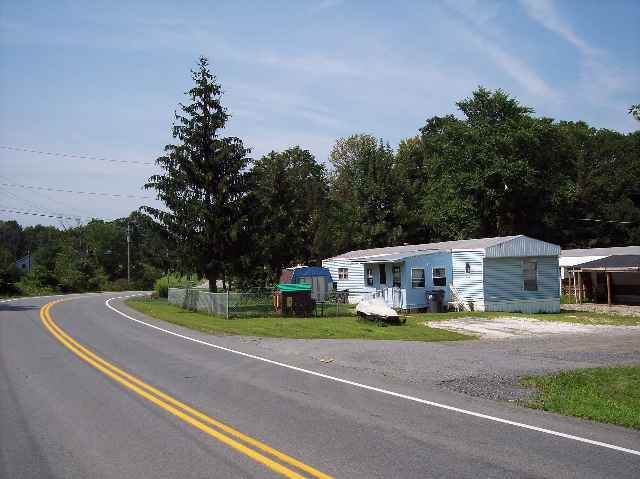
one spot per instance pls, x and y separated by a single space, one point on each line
511 273
25 264
610 275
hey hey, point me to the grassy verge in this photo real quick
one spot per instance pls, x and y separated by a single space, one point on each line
345 327
603 394
580 317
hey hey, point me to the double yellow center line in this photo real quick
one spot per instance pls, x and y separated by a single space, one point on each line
273 459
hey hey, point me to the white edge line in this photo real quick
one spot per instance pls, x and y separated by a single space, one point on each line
378 390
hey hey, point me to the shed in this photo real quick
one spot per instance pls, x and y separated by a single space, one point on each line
509 273
583 286
615 277
318 277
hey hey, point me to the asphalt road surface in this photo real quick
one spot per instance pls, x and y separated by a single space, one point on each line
88 392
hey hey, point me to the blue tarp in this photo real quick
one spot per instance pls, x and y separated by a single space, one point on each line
309 271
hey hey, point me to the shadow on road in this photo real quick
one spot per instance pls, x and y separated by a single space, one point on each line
17 307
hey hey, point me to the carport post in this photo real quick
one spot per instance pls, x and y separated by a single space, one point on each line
609 288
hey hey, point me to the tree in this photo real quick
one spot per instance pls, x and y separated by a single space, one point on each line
203 183
365 191
289 198
635 111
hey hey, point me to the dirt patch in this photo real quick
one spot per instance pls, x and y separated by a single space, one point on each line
509 327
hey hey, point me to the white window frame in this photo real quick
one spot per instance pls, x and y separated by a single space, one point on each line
343 274
524 278
424 278
433 276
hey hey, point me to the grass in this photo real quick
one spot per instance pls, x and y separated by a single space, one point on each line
580 317
341 327
609 395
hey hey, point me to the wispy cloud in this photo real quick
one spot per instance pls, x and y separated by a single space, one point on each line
324 5
477 21
599 81
544 12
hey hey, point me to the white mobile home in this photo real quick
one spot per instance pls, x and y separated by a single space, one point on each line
511 273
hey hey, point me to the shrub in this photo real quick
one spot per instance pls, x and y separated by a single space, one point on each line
173 280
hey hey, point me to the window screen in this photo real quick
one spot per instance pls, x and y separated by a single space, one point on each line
417 278
343 273
530 275
439 276
396 277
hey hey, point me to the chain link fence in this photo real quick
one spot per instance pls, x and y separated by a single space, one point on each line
251 304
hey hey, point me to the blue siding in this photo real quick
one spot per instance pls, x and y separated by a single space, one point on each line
504 288
416 297
522 246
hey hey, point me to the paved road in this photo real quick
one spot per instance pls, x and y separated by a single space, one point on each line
61 416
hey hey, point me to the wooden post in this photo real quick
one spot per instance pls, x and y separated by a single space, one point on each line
579 286
569 275
609 288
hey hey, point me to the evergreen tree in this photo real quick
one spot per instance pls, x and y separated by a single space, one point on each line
203 183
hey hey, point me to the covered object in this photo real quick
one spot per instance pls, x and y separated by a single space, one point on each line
317 277
293 299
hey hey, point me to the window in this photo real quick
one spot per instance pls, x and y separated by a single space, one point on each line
417 278
467 268
369 276
530 274
396 277
343 273
383 274
439 276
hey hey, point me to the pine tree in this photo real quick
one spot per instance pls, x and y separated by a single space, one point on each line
203 182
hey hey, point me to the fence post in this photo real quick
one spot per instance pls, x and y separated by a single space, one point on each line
227 303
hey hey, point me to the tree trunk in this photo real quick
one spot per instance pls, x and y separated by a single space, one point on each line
212 276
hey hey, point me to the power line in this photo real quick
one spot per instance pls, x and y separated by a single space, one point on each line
72 155
60 216
59 190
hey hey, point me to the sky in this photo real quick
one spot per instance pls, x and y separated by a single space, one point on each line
101 80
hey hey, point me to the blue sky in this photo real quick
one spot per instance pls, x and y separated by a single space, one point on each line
103 78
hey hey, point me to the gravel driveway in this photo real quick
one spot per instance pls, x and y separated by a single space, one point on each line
484 368
503 328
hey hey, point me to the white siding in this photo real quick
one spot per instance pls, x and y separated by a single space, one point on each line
355 282
469 286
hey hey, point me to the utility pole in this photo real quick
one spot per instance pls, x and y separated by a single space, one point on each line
128 254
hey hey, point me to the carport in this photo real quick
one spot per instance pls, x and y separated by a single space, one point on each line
616 278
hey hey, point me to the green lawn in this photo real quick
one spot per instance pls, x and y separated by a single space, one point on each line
314 327
581 317
603 394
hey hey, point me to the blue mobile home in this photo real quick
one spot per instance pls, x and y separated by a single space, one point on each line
511 273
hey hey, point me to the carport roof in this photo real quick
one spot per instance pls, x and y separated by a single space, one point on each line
616 263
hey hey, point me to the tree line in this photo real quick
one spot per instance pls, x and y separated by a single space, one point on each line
493 169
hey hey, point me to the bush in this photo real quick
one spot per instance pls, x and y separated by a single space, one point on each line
173 280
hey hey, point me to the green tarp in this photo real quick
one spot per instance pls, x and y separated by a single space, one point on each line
294 288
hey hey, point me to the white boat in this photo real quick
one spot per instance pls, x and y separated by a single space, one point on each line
376 308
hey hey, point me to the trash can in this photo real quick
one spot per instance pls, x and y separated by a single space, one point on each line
435 301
